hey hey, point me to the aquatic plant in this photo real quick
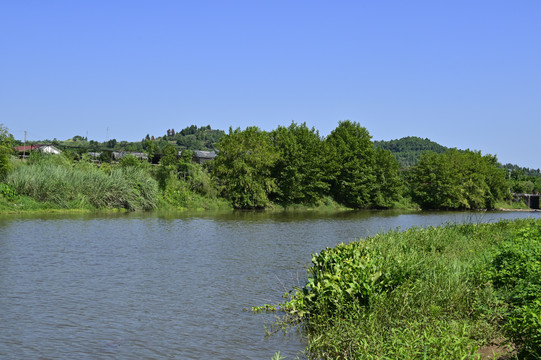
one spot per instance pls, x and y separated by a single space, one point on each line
423 293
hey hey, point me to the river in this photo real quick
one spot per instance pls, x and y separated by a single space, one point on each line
164 286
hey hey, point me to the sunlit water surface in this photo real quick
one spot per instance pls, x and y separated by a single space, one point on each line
151 286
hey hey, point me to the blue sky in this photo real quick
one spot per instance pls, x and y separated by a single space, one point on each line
465 74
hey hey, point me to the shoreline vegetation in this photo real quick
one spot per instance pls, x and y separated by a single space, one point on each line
288 168
468 291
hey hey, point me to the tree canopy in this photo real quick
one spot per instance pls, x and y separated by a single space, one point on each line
243 167
353 176
458 180
300 170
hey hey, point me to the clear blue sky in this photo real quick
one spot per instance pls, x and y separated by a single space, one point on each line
465 74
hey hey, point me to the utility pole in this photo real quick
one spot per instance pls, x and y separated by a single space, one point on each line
24 145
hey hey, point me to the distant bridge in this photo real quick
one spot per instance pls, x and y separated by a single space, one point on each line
532 200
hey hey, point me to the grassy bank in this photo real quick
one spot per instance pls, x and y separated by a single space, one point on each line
47 183
59 186
437 293
511 205
56 183
50 182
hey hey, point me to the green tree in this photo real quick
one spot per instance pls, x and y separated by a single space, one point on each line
169 156
495 177
106 156
458 180
300 170
435 182
243 167
194 138
352 163
129 160
6 149
389 186
185 164
151 149
168 169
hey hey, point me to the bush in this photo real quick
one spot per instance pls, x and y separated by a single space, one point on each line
516 274
8 192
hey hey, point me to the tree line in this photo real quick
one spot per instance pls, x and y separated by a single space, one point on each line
294 165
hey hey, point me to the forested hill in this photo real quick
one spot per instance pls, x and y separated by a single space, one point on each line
408 149
194 138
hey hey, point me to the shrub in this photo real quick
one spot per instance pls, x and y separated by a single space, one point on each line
8 192
516 274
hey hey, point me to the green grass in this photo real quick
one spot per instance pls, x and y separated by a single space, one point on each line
513 205
420 294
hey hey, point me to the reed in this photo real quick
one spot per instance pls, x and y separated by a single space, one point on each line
79 187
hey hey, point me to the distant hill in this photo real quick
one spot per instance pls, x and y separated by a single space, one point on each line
408 149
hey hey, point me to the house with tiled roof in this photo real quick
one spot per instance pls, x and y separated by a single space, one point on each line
27 149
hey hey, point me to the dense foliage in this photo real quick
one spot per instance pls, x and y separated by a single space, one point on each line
353 178
194 138
185 184
389 186
515 272
243 167
436 293
524 180
458 180
6 144
301 170
295 166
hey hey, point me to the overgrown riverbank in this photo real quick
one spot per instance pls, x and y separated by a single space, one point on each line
251 169
436 293
57 183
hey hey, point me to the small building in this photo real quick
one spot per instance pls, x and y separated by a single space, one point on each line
24 151
94 155
49 149
117 155
201 157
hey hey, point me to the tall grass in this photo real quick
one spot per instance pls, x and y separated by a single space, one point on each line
418 294
79 187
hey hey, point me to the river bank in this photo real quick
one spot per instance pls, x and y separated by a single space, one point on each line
446 292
